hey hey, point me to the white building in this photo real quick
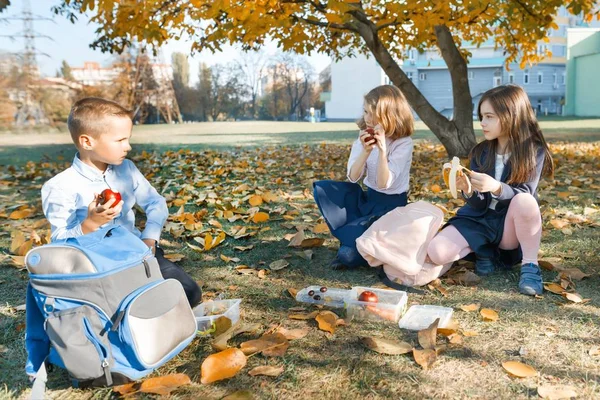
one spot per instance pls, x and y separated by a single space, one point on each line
92 74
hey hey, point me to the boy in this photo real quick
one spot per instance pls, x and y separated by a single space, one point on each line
101 130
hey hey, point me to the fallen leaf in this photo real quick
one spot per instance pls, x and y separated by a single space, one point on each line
314 242
594 351
272 345
519 369
174 257
425 358
296 239
260 217
471 307
220 342
306 254
386 346
267 370
240 395
574 273
450 328
243 248
293 334
255 200
327 321
293 292
467 278
427 337
554 288
557 392
222 325
469 333
489 315
163 385
321 228
455 339
279 264
222 365
574 297
303 316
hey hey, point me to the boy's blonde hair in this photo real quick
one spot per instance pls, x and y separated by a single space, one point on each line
391 110
87 116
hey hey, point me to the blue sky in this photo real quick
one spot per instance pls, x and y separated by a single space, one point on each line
71 42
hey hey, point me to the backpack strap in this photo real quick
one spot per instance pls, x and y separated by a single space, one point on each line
395 285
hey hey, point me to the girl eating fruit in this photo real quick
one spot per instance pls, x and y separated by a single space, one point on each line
382 154
501 220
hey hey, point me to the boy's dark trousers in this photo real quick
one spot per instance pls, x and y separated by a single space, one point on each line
170 270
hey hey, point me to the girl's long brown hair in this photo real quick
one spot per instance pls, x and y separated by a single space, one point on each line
517 119
389 106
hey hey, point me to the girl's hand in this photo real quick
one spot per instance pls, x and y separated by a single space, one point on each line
367 141
463 183
485 183
380 138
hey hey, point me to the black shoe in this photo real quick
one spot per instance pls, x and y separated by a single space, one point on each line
337 265
484 266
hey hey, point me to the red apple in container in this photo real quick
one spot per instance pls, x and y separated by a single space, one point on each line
368 296
107 195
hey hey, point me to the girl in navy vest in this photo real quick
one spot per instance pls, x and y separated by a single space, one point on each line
501 220
383 159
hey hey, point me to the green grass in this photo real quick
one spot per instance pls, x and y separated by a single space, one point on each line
554 337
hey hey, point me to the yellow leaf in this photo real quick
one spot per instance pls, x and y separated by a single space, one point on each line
260 217
222 365
519 369
20 214
574 297
321 228
255 200
163 385
327 321
18 238
208 241
314 242
174 257
292 334
436 188
267 370
304 316
554 288
471 307
489 315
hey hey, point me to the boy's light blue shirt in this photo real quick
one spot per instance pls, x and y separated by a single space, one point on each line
66 197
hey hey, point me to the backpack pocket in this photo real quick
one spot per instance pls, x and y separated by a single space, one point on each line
156 322
74 334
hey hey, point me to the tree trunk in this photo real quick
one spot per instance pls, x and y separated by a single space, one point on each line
456 135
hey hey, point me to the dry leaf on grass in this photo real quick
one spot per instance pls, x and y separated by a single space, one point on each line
174 257
386 346
220 341
471 307
467 278
519 369
303 316
427 337
297 239
327 321
574 273
489 315
240 395
425 358
450 328
573 297
162 385
455 339
292 334
469 333
267 370
556 392
279 264
271 345
222 365
314 242
260 217
293 292
554 288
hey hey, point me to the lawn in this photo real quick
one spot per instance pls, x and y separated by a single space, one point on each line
206 170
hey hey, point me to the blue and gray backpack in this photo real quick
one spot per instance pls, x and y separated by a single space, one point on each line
98 306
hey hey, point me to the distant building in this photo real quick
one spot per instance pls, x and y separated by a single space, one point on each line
583 59
92 74
352 78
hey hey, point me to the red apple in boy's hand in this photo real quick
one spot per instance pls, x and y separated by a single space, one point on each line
107 195
368 296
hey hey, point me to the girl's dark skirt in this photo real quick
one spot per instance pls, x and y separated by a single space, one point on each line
484 233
